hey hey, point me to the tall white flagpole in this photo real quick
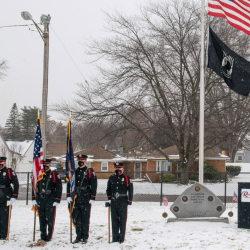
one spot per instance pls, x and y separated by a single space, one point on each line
202 97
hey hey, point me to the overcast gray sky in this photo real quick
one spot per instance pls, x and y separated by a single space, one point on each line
73 22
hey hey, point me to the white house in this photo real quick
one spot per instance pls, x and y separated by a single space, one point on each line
25 149
13 157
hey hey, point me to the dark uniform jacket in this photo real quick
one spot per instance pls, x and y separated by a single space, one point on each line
7 177
120 186
86 185
49 188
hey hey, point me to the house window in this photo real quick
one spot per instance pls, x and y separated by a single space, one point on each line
239 157
163 166
104 166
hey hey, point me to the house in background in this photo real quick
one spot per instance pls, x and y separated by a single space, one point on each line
25 150
157 162
102 161
13 158
239 156
57 151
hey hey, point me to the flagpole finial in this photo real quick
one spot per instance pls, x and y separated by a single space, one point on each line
38 113
70 115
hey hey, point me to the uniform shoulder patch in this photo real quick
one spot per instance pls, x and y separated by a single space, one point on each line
130 180
58 176
13 173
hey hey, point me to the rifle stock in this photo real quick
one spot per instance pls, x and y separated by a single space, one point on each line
109 223
7 238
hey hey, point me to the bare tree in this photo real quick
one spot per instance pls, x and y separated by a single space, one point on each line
15 154
3 68
149 79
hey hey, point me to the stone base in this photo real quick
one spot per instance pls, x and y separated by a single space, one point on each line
221 219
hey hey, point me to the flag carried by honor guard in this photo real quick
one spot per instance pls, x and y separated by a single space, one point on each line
70 164
234 69
38 156
237 12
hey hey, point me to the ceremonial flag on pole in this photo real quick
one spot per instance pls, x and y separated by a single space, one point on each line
237 12
235 197
234 69
38 171
70 165
165 200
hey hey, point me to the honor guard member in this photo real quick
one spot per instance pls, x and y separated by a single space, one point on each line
86 185
49 193
8 179
120 195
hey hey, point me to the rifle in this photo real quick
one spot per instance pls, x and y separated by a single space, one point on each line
107 204
7 238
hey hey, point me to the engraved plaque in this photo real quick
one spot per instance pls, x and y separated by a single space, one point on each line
197 201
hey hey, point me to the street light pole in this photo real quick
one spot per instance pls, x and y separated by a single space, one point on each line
45 20
45 80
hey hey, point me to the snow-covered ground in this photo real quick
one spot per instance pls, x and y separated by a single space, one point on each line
146 229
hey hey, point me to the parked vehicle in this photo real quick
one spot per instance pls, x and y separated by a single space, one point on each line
59 168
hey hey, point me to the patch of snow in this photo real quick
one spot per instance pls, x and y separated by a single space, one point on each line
146 229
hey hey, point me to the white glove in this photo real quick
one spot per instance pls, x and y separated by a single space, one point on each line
55 204
109 201
69 199
91 201
34 203
129 206
12 200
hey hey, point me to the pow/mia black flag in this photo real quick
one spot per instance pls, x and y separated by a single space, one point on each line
234 69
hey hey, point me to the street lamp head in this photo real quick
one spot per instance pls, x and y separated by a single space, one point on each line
26 15
45 19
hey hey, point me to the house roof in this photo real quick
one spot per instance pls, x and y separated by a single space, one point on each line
97 153
58 149
173 153
20 147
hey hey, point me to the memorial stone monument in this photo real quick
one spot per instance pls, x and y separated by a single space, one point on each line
198 203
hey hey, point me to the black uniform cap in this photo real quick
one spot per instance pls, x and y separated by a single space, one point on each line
2 158
118 165
82 157
47 161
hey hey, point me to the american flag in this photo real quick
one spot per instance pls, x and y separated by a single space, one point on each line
235 197
237 12
38 156
165 200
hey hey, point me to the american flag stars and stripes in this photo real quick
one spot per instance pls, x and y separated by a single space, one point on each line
38 155
165 200
237 12
235 197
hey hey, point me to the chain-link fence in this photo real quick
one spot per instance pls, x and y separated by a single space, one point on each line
150 186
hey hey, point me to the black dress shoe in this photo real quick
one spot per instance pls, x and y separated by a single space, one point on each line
84 241
115 239
76 241
47 239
